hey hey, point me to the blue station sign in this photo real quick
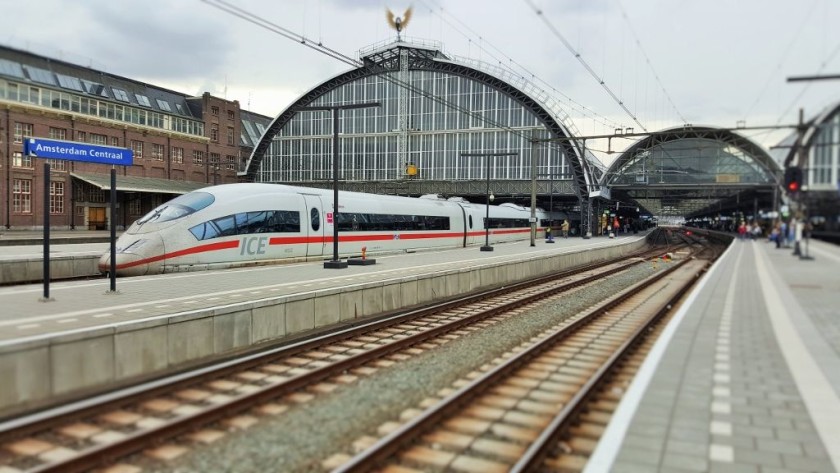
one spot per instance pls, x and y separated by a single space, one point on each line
73 151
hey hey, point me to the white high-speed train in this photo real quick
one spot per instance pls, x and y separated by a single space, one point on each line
246 224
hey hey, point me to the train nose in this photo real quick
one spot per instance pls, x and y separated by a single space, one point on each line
137 255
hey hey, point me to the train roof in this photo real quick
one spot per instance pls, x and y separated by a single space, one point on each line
266 188
224 190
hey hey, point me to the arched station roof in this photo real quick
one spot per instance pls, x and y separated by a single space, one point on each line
386 61
814 149
787 153
692 170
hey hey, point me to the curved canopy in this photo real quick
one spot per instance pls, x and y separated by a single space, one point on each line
399 65
689 171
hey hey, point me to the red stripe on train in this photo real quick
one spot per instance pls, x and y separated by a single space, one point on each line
222 245
232 244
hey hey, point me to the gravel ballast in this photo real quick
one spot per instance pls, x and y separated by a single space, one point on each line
301 438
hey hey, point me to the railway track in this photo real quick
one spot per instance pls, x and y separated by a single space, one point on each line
543 408
87 436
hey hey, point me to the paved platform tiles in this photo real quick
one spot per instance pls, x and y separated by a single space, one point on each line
723 397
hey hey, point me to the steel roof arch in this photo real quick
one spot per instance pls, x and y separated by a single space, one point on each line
436 62
723 135
812 131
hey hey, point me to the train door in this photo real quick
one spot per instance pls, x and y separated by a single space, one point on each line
315 223
467 224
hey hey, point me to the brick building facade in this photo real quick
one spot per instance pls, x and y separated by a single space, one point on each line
180 143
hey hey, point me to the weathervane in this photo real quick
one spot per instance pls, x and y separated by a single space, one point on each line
398 23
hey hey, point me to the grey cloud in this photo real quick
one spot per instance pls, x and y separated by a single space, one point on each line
178 44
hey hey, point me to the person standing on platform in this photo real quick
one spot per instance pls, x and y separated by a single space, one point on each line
783 234
565 228
548 233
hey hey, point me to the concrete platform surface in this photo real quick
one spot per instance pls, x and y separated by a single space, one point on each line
87 339
746 377
36 237
85 304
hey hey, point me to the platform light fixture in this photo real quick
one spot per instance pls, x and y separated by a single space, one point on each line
489 195
336 263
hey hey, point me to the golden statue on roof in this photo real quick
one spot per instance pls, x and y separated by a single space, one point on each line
398 23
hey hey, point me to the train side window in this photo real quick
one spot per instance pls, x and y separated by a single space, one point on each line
291 221
316 219
205 231
280 221
227 225
255 222
470 221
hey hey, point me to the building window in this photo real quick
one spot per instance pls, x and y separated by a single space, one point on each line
231 115
214 133
198 157
215 158
22 196
143 100
90 106
137 147
22 130
57 164
115 141
96 195
19 160
98 139
178 155
214 110
56 197
135 207
120 94
230 162
58 133
157 152
81 137
230 136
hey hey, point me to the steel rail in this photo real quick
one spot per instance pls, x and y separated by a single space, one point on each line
44 420
96 456
396 440
536 453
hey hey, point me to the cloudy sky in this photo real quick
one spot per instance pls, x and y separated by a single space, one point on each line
669 62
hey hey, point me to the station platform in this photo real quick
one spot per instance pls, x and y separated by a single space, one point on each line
87 338
746 377
73 254
36 237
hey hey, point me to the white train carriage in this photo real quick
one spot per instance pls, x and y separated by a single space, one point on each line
244 224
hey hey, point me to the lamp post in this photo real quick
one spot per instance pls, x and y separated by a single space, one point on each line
490 196
336 263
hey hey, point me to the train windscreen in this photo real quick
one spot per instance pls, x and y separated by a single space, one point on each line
178 207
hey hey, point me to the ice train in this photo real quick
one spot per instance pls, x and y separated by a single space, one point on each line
246 224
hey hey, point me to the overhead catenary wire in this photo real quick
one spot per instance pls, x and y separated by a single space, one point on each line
583 62
649 63
289 34
506 61
808 85
774 74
